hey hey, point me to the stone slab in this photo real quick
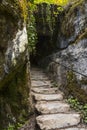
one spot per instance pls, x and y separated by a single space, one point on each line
43 90
57 121
38 74
39 78
47 97
74 128
40 83
52 107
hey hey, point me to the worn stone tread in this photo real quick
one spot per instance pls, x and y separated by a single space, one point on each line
52 107
48 97
74 128
57 121
39 78
43 90
38 73
40 83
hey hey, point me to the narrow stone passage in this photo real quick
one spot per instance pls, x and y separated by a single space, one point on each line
54 112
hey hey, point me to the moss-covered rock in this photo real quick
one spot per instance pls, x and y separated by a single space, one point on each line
15 106
74 88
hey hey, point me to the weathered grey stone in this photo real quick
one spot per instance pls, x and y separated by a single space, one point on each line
34 72
39 77
47 97
43 90
37 71
74 128
37 74
70 30
40 83
52 107
56 121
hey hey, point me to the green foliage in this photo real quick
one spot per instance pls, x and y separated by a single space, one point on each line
10 127
82 108
55 84
14 127
32 35
24 9
58 2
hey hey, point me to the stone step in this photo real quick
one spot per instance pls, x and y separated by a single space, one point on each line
47 97
36 70
38 74
40 83
75 128
52 107
39 78
43 90
57 121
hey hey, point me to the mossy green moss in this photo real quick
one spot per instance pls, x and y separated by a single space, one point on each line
11 10
14 94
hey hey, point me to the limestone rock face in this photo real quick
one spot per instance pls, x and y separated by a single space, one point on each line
14 65
16 47
71 37
12 30
73 27
73 32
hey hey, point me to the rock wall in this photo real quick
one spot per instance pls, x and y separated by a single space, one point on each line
14 66
71 47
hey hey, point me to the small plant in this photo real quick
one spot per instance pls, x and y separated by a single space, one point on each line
55 85
82 108
19 125
14 127
10 127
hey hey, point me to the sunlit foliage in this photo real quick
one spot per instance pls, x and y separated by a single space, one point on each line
24 5
58 2
24 8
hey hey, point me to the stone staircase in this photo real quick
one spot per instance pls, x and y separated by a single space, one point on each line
53 111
